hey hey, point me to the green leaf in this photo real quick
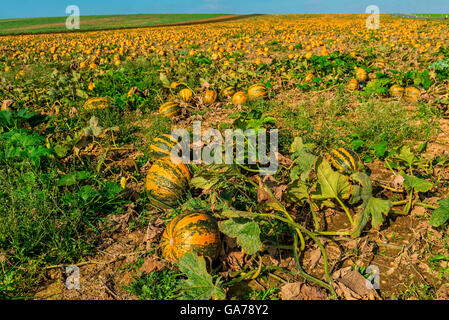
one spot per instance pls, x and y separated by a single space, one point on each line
198 285
418 184
246 231
380 149
164 80
332 184
372 208
406 156
82 94
441 214
297 192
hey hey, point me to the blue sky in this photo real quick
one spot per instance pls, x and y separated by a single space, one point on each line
48 8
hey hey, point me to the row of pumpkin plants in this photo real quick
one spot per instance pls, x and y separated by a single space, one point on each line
336 180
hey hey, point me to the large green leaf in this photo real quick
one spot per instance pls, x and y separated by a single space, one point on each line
198 285
246 231
331 184
371 208
297 192
418 184
441 214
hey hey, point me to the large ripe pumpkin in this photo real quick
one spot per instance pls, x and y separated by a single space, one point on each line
239 98
411 94
397 91
191 231
352 85
167 181
96 103
186 95
361 74
344 159
258 90
163 145
209 97
169 109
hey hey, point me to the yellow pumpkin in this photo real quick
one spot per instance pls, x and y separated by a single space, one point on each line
256 91
352 85
411 94
96 103
239 98
397 91
361 74
186 95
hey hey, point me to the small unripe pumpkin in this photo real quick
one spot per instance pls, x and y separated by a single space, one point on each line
228 92
169 109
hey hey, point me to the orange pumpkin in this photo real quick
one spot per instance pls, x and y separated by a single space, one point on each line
191 231
258 90
352 85
411 94
209 97
397 91
239 98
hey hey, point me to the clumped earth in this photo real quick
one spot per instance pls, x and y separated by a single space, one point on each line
74 192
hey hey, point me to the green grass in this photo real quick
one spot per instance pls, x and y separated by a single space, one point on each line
57 24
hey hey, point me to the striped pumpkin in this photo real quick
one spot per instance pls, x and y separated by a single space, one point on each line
228 92
380 63
209 97
344 159
396 91
411 94
256 91
191 231
186 95
352 85
163 145
96 103
439 89
167 181
169 109
239 98
361 74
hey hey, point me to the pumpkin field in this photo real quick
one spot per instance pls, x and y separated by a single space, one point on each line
93 207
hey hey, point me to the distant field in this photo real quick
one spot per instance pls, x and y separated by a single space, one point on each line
431 15
55 24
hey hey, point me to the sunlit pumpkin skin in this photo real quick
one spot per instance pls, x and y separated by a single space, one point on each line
411 94
228 92
169 109
186 95
352 85
239 98
209 97
396 91
174 85
196 232
344 159
167 181
258 90
361 74
96 103
163 145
